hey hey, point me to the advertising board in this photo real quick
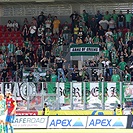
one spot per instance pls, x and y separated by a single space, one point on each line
30 122
67 122
107 122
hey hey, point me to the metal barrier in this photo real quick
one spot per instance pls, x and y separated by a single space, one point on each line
70 95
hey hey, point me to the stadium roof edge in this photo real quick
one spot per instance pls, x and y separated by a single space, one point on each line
66 1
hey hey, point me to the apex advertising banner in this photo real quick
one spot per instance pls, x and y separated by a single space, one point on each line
107 122
67 122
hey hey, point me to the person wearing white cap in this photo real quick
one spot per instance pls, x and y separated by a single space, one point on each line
2 113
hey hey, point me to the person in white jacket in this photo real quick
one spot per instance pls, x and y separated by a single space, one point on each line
104 23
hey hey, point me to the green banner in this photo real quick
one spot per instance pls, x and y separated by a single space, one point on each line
93 94
64 91
84 50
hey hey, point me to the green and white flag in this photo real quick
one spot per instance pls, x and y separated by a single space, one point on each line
77 93
64 91
112 94
84 50
93 94
61 92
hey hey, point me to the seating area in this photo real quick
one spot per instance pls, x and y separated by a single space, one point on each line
7 36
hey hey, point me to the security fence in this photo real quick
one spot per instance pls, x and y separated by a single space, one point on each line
70 95
92 73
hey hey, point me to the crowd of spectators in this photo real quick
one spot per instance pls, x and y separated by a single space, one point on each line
44 39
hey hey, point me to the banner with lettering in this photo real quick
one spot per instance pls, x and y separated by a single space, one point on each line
84 50
111 94
64 93
23 93
93 95
32 96
77 93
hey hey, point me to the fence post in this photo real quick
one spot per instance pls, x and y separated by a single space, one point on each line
28 98
16 89
58 96
2 88
84 95
71 95
121 93
42 93
103 105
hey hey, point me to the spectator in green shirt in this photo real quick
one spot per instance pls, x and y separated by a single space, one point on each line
122 64
115 35
85 17
53 77
115 77
115 16
106 53
128 17
107 16
114 57
127 76
109 44
128 35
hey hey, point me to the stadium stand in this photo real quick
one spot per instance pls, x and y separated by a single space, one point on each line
30 47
